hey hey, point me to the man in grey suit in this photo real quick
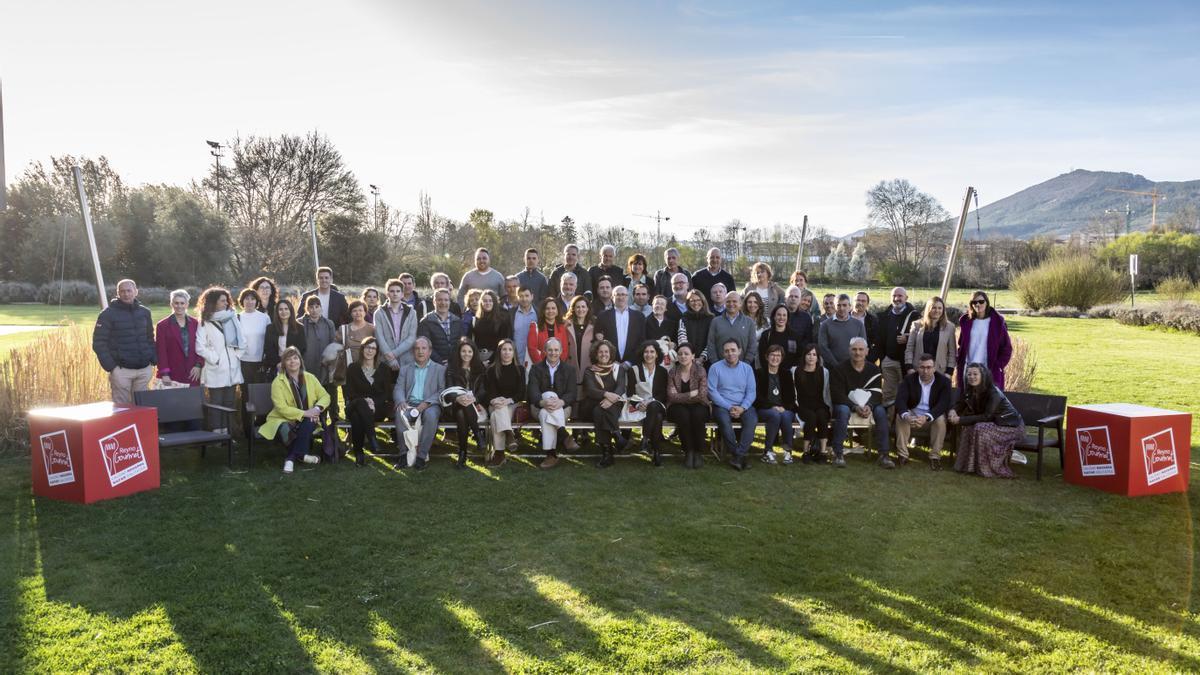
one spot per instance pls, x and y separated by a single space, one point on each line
395 327
417 396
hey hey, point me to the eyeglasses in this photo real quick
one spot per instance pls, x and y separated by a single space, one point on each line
979 302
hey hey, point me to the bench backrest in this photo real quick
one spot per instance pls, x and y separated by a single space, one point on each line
181 404
1034 407
259 397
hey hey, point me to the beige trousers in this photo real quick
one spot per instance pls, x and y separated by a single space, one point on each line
500 420
125 381
937 436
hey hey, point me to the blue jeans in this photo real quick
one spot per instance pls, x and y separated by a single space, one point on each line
841 419
735 446
777 423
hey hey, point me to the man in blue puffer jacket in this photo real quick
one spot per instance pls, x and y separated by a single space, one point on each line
124 342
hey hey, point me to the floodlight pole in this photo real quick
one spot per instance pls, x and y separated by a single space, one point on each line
3 181
962 223
800 250
312 227
87 223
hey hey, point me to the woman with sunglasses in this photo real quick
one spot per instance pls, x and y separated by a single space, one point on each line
983 339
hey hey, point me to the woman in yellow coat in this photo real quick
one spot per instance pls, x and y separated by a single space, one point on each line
298 400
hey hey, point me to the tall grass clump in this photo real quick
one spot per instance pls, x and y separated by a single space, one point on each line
1021 370
1069 280
57 369
1176 289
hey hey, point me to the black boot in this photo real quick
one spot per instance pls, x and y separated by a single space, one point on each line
606 457
462 455
656 455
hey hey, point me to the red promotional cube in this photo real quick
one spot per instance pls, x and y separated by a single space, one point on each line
86 453
1128 449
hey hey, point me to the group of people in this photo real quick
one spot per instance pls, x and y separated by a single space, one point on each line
605 345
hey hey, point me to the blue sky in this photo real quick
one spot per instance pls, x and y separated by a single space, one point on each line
707 110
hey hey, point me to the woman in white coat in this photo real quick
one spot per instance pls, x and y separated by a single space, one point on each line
220 343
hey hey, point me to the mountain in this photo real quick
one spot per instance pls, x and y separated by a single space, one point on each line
1068 203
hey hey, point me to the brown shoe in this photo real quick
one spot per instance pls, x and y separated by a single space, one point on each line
497 460
550 462
570 445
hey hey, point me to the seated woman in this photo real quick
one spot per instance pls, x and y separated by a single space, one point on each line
466 371
990 426
780 333
776 403
603 392
368 393
504 386
298 400
812 403
648 381
687 404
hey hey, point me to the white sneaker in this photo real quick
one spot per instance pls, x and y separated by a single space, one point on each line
787 456
312 459
288 467
768 457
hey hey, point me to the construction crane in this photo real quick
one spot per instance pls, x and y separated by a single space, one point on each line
1154 196
658 219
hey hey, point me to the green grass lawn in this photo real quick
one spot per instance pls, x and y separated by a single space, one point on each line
341 569
52 315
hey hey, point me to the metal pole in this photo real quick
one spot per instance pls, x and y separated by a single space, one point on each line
3 181
218 183
312 227
800 250
87 223
962 222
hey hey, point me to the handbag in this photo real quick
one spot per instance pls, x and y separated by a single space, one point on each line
521 413
344 358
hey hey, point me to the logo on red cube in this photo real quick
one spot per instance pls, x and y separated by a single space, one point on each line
1158 451
1095 451
56 455
123 456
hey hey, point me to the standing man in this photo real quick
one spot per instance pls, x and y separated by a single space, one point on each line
437 281
623 326
512 297
732 388
835 334
733 326
441 328
532 278
417 396
664 279
602 299
677 298
410 296
568 283
891 339
922 400
552 375
641 299
333 304
570 264
799 319
523 316
857 373
482 277
396 327
606 268
123 340
706 278
862 312
716 298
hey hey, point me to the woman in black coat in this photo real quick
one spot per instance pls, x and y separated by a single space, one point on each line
492 324
465 370
775 402
778 332
283 325
368 392
647 380
693 328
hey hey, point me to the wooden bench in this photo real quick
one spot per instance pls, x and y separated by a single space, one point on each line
1042 412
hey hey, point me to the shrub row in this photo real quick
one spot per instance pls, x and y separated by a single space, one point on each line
1070 281
1179 316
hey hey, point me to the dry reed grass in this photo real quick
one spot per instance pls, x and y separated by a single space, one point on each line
1021 370
57 369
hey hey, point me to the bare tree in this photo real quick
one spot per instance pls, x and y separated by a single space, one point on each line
913 221
268 191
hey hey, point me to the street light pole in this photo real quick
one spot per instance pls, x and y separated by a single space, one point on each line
216 152
375 205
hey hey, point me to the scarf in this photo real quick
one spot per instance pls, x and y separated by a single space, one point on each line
230 327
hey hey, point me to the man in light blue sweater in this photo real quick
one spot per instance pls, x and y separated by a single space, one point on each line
731 388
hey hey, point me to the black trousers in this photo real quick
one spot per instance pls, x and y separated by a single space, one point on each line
607 421
363 420
466 421
689 419
816 422
653 422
